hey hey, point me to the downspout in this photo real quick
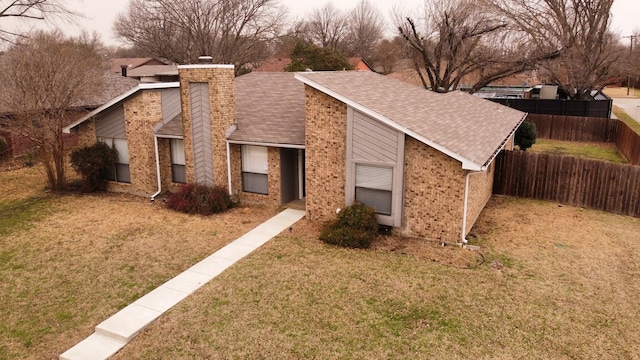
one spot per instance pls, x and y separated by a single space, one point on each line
229 168
466 205
155 142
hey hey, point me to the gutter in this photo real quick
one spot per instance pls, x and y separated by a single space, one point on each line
229 168
466 205
155 143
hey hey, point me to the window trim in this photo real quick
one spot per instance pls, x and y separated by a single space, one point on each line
250 170
116 178
176 164
397 192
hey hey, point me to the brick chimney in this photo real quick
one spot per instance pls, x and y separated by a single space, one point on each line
207 94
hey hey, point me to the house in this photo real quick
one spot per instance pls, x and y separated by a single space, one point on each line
124 65
154 73
423 160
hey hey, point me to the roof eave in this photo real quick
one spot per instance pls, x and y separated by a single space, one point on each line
467 164
117 99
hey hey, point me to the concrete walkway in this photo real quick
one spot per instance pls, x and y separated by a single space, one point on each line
114 333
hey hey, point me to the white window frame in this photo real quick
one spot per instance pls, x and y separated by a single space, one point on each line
255 169
121 170
178 163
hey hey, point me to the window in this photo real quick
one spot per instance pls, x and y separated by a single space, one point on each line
255 169
178 170
374 186
120 172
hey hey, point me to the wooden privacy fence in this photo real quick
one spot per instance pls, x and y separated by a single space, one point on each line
628 142
575 128
568 180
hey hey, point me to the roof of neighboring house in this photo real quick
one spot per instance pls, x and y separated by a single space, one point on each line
116 64
269 109
278 64
465 127
358 63
274 65
112 86
153 70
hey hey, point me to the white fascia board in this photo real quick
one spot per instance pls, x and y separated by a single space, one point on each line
169 136
504 142
466 163
117 99
207 66
274 145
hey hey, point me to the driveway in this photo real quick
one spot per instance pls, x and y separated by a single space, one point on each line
630 105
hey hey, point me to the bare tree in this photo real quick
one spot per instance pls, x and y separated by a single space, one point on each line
328 27
365 30
481 42
38 10
231 31
388 52
43 78
580 28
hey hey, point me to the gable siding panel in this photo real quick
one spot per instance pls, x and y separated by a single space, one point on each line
170 104
373 141
201 133
111 124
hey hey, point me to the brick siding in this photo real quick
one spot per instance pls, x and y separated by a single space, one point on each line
325 144
434 193
141 114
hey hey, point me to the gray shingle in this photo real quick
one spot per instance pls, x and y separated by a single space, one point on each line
269 109
465 125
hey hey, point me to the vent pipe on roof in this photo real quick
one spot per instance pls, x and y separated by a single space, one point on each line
205 59
123 70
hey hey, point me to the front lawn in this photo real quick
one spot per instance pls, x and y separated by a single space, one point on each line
558 282
68 262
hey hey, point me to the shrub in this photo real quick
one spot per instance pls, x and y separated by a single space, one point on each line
200 199
355 227
94 163
526 135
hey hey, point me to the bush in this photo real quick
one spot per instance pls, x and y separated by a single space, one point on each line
355 227
526 135
94 163
200 199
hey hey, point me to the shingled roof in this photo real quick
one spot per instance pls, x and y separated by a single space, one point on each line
269 109
465 127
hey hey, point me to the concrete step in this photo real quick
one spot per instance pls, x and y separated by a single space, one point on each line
95 347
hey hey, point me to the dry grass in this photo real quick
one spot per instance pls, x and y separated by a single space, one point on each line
620 92
559 283
69 262
591 150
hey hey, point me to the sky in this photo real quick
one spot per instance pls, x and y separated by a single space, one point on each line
100 14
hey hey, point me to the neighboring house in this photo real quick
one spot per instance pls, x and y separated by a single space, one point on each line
279 64
123 65
111 85
154 73
423 160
